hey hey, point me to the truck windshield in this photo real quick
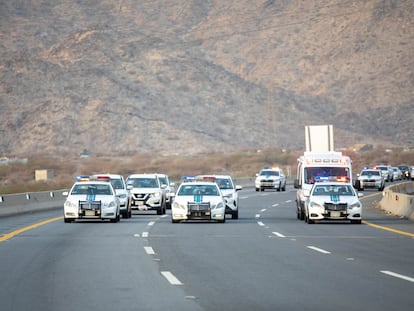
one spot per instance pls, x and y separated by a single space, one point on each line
314 173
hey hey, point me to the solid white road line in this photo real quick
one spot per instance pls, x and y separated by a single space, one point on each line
279 234
149 250
318 249
171 278
400 276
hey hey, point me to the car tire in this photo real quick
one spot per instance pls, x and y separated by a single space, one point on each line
356 221
67 220
235 215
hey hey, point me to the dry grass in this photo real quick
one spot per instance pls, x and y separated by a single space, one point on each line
19 177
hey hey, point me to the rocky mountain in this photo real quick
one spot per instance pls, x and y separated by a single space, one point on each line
190 76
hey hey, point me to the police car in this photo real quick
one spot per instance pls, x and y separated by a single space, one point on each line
270 178
91 199
370 178
333 201
229 191
198 200
118 183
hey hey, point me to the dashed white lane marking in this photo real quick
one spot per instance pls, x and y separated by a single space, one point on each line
145 234
400 276
151 223
149 250
171 278
260 223
320 250
257 215
288 201
136 235
163 216
275 205
263 210
279 234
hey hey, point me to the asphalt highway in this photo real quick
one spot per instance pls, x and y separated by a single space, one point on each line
265 260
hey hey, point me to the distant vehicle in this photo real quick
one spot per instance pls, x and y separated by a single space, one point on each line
229 191
270 178
169 189
397 174
147 193
405 169
412 173
198 200
386 172
370 178
333 201
119 185
91 200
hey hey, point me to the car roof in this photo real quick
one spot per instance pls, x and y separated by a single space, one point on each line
143 175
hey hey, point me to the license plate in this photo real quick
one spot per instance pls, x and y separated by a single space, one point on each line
335 214
89 213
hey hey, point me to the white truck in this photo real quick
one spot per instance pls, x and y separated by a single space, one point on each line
316 166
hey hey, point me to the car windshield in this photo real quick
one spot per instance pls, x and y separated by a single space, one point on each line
191 189
224 183
163 180
117 183
144 182
269 173
312 174
92 189
333 190
370 173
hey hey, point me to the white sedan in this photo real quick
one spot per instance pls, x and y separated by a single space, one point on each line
198 200
333 201
91 200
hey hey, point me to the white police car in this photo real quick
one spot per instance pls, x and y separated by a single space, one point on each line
333 201
198 200
91 200
370 178
118 183
270 178
229 191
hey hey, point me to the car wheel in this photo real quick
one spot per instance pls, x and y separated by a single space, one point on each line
235 215
257 189
67 220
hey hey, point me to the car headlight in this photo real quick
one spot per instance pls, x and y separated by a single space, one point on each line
218 205
178 205
123 196
315 205
355 205
155 195
70 204
109 205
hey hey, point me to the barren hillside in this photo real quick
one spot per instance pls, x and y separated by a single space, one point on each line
184 77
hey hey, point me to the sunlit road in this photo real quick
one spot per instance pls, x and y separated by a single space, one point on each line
265 260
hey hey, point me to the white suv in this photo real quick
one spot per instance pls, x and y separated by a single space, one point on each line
169 189
229 191
147 193
118 183
270 178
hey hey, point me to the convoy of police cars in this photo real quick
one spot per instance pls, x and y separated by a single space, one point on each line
325 191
